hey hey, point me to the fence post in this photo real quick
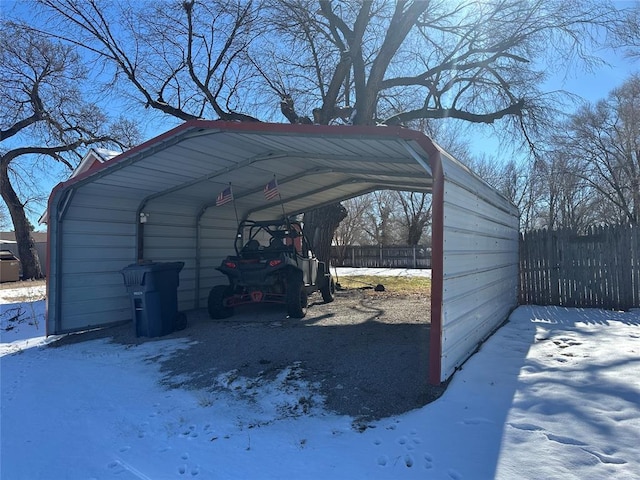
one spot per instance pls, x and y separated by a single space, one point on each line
555 244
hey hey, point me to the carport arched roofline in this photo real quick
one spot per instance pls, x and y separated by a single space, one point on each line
197 128
281 181
354 175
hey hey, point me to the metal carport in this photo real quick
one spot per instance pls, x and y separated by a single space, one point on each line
157 202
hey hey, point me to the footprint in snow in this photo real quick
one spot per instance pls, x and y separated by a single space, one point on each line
609 459
382 460
408 461
525 426
476 421
564 440
116 467
126 448
454 475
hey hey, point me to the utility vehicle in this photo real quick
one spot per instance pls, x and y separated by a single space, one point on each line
273 263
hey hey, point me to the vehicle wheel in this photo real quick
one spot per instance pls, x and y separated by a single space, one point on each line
296 298
180 321
327 289
217 295
325 284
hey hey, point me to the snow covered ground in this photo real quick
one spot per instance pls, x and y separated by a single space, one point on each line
554 394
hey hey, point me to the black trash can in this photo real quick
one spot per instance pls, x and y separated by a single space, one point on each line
153 289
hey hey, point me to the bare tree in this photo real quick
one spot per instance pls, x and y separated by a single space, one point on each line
515 180
416 214
351 230
5 220
42 116
603 140
182 58
380 219
360 63
627 33
396 62
565 200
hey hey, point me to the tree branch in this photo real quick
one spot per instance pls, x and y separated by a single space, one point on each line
425 112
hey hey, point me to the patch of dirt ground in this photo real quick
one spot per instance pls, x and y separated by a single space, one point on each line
366 354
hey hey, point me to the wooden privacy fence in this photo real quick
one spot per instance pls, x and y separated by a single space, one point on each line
598 269
418 256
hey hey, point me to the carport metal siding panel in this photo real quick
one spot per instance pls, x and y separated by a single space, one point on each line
89 290
69 220
216 235
480 264
170 236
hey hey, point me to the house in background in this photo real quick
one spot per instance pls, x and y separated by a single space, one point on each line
91 161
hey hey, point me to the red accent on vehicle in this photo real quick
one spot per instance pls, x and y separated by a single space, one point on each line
256 296
230 264
273 263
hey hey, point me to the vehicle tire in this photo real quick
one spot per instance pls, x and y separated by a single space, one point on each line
325 284
216 307
296 298
327 289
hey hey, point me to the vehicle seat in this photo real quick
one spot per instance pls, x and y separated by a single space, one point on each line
251 249
276 244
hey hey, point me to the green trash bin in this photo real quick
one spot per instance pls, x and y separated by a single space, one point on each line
153 290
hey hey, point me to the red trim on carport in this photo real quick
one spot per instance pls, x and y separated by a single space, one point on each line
437 269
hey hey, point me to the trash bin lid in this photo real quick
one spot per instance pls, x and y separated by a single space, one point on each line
154 266
8 255
134 274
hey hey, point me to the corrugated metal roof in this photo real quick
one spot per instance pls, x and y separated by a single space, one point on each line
200 159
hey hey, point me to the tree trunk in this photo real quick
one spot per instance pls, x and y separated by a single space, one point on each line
415 233
26 245
319 227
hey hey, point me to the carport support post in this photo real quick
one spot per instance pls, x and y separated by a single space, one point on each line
437 270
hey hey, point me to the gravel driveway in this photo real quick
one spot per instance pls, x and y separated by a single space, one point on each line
365 354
